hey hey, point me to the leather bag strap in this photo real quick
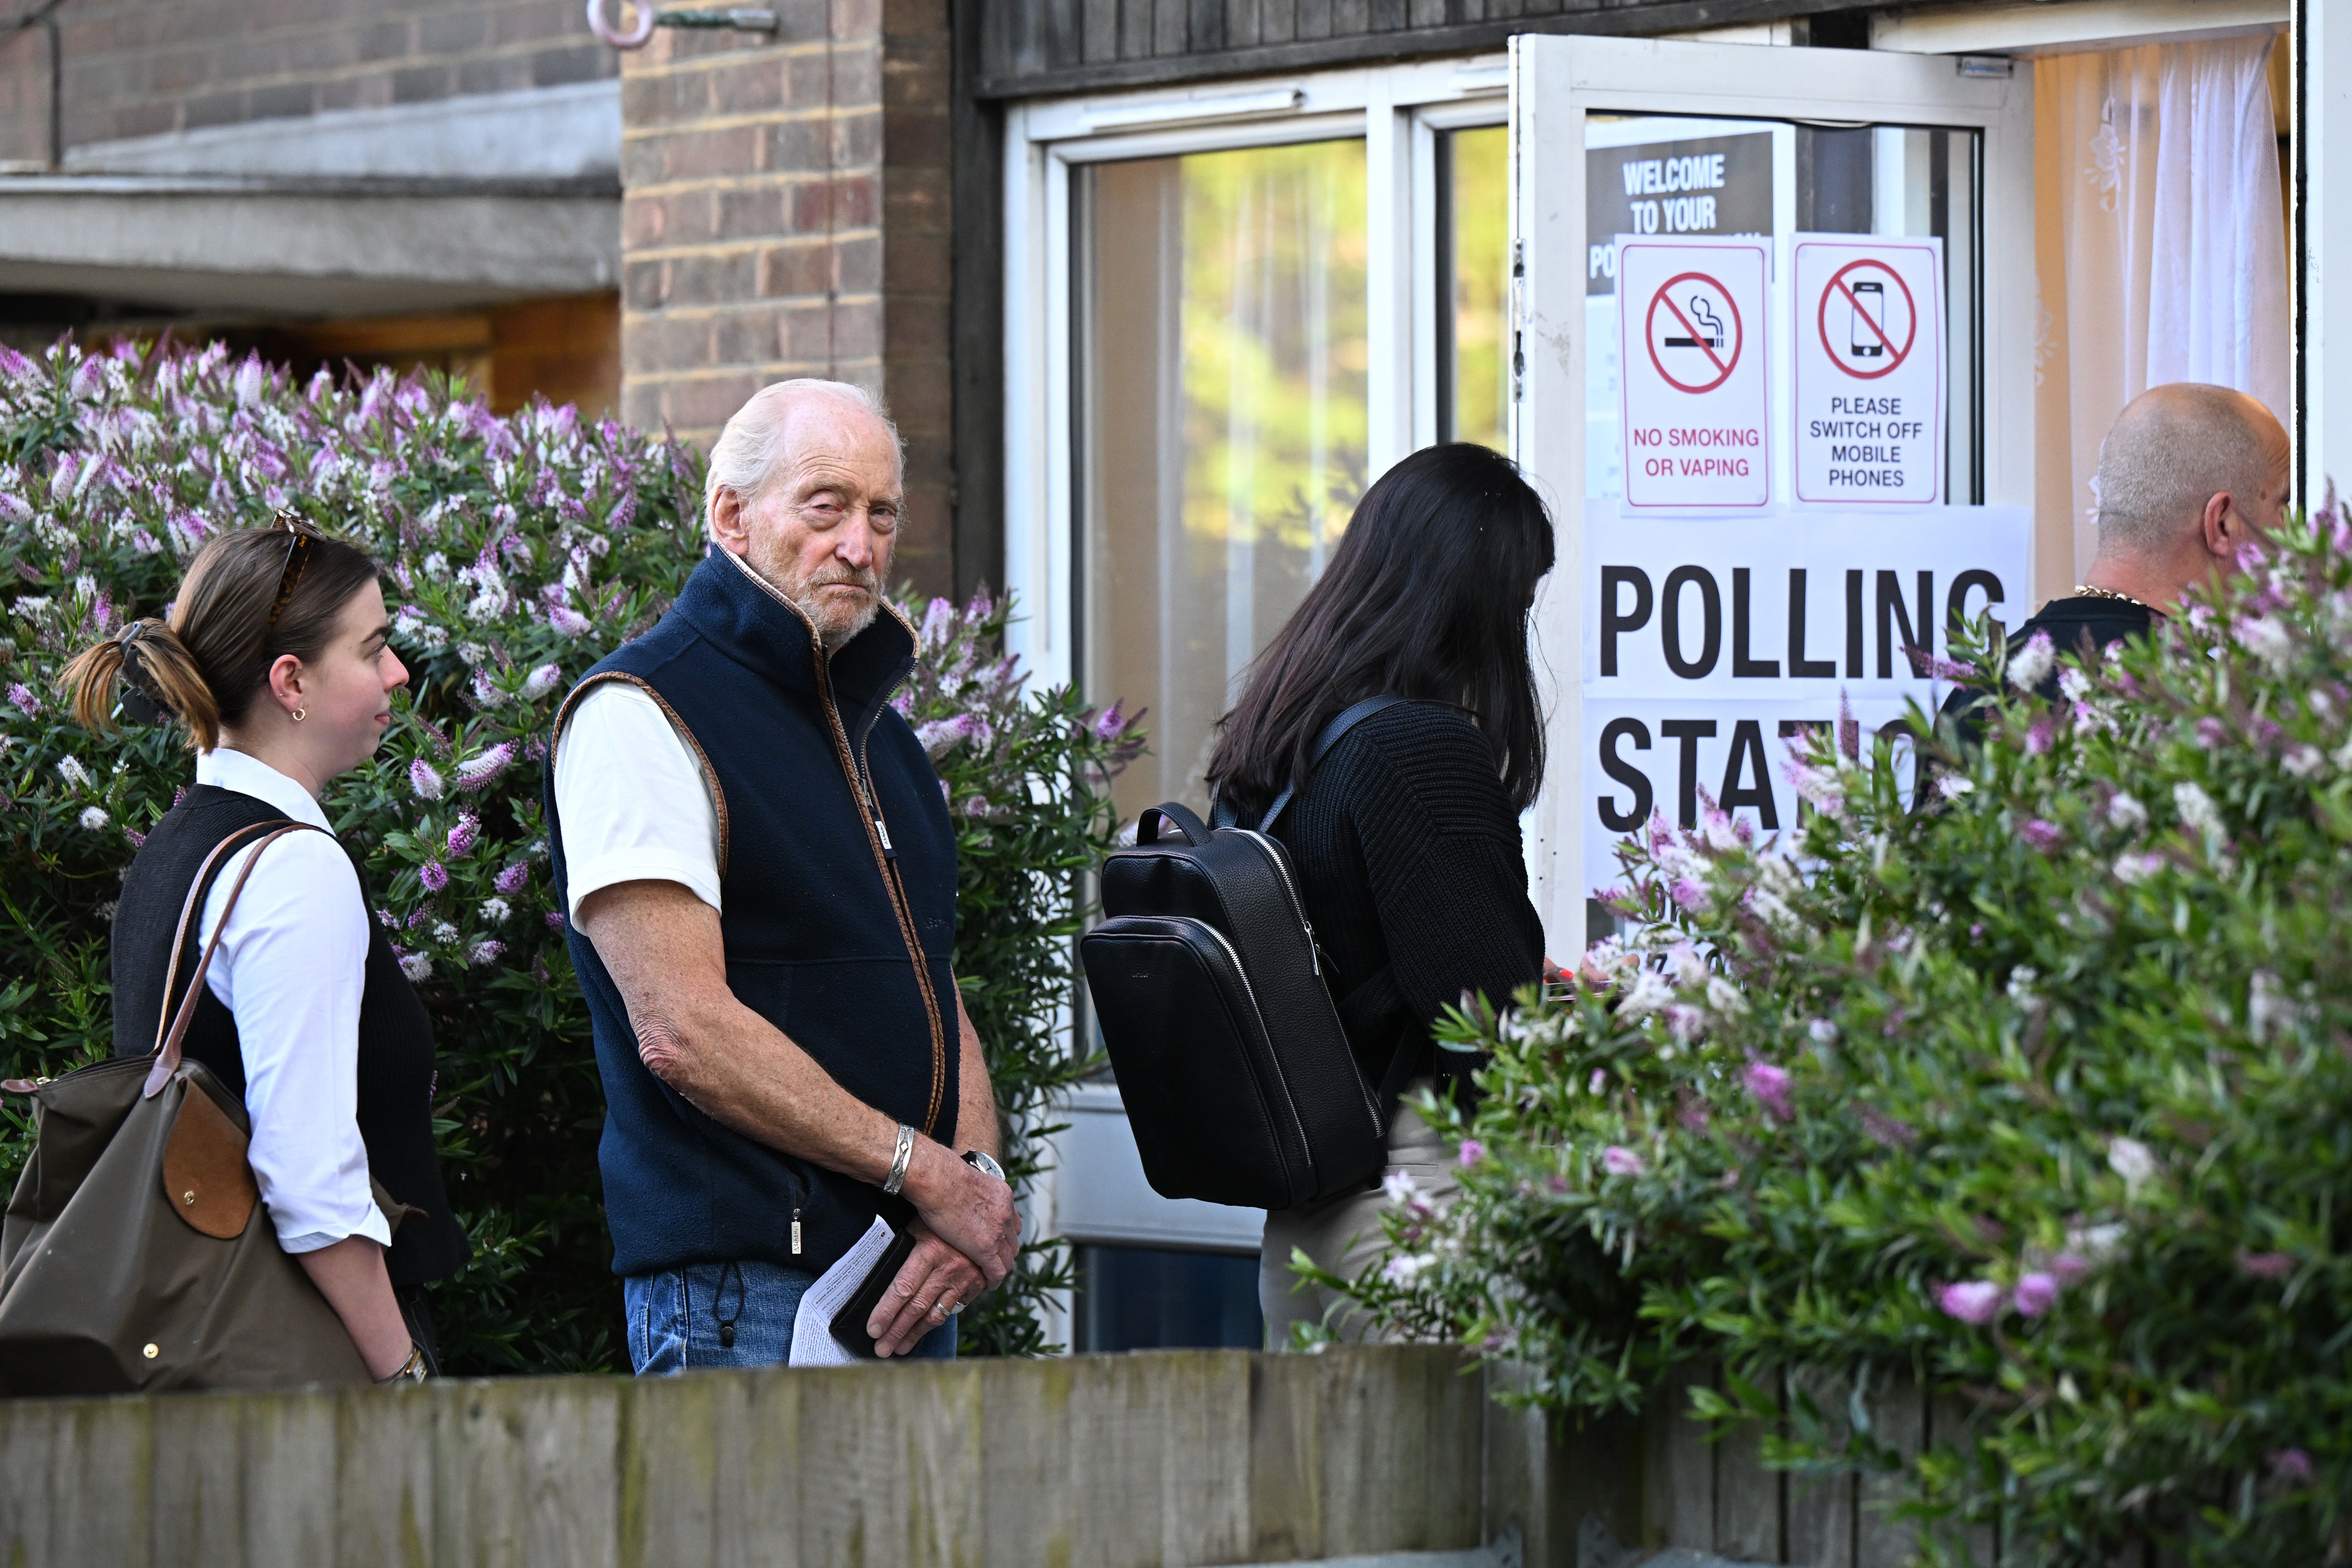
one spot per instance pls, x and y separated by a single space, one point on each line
1347 719
167 1045
187 914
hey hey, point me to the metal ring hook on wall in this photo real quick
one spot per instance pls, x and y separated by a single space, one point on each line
631 41
742 19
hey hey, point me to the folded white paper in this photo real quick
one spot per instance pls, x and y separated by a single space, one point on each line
812 1340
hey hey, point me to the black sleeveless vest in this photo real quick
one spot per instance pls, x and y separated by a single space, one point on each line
837 879
396 1045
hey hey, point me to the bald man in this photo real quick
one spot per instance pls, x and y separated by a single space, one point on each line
2189 475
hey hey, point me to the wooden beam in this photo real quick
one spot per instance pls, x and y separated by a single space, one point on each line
1005 78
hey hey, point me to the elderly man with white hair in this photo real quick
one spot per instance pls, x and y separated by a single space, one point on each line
760 872
2189 476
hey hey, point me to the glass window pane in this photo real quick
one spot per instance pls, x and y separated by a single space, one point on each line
1777 179
1473 257
1140 1298
1222 443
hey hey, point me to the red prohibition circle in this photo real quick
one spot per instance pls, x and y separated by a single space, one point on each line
1650 340
1836 285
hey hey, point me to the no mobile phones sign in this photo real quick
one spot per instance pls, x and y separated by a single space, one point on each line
1869 380
1691 318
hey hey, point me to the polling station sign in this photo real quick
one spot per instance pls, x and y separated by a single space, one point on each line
1694 401
1869 380
1710 649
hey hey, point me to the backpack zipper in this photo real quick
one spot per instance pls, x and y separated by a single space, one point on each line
1297 905
1242 974
1313 953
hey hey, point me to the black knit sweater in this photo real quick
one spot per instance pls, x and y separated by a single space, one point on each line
1408 852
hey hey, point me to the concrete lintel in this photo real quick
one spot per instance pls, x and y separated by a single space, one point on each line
172 245
543 133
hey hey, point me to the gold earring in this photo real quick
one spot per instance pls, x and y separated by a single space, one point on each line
300 714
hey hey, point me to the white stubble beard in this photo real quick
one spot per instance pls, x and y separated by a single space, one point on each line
831 628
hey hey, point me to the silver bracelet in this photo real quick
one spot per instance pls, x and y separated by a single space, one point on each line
898 1178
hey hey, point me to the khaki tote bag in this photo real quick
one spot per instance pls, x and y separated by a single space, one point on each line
136 1254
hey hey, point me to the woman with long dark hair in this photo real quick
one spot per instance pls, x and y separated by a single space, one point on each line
276 659
1405 838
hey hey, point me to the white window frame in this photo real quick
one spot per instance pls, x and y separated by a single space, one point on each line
1396 110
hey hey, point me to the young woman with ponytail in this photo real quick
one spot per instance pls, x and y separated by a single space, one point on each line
275 657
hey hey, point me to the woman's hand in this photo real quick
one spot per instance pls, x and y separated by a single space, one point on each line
349 1275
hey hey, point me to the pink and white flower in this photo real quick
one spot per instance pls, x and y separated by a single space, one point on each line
1976 1302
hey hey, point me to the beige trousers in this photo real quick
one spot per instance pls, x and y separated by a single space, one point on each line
1343 1235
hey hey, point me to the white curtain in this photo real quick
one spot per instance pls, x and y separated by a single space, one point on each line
2161 252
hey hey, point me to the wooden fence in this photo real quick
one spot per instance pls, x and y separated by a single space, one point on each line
1167 1459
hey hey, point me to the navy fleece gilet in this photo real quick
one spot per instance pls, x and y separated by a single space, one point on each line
837 877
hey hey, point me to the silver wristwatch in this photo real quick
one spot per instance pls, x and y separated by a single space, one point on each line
983 1163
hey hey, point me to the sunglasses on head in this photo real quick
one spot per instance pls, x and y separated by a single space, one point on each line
299 536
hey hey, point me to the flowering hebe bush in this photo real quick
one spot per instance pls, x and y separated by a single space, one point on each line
1027 777
520 552
2042 1093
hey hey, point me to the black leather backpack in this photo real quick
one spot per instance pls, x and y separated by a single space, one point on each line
1235 1073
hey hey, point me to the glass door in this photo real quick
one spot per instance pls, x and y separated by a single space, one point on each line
1222 423
1697 144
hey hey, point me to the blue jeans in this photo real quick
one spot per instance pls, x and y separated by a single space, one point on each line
679 1319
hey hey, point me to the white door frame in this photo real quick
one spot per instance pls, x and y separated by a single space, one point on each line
1557 80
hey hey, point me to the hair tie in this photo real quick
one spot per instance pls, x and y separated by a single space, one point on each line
140 703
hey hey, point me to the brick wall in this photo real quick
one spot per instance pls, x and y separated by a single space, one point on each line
786 213
142 67
24 99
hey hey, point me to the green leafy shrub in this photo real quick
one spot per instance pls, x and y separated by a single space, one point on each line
2041 1094
520 551
1028 778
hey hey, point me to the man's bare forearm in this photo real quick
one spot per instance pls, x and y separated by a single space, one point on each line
976 1126
662 947
663 950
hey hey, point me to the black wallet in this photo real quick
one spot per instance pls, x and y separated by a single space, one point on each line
849 1323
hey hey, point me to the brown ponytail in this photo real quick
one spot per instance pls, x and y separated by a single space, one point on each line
150 661
246 602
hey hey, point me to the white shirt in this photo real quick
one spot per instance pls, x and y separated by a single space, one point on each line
292 965
631 800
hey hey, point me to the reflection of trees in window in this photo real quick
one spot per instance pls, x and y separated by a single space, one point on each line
1223 419
1275 355
1476 166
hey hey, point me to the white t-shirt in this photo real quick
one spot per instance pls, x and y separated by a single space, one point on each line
291 968
631 799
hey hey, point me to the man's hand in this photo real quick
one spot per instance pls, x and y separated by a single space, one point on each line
936 1282
972 1213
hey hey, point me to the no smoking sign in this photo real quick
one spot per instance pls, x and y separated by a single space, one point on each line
1869 380
1695 339
1691 318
